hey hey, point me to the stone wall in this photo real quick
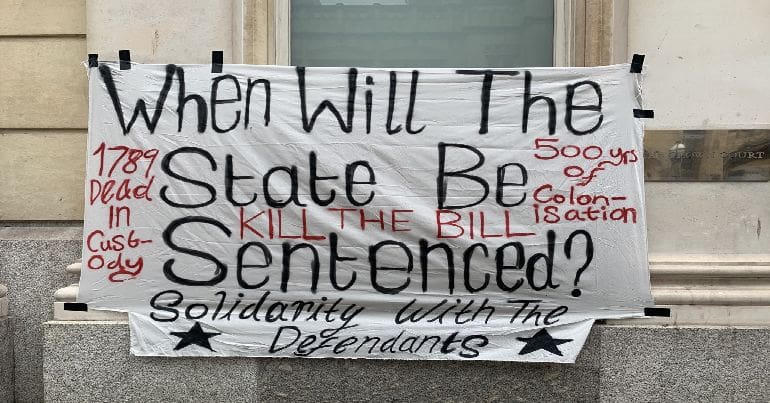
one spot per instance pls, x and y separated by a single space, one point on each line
44 104
32 262
89 362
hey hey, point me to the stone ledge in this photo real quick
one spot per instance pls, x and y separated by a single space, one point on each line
62 314
88 361
709 259
42 233
705 315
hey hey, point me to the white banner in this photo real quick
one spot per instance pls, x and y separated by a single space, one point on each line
364 213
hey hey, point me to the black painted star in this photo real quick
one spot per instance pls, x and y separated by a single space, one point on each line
541 341
195 335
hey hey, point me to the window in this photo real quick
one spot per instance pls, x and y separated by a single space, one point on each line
422 33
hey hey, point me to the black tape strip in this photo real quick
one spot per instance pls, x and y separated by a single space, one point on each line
663 312
93 60
637 61
125 59
644 113
75 306
216 61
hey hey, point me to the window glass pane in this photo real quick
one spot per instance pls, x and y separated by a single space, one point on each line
422 33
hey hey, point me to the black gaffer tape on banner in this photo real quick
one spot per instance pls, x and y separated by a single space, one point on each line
125 59
637 61
75 306
216 61
662 312
644 113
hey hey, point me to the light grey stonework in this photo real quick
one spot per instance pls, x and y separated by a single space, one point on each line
89 362
716 364
32 263
6 359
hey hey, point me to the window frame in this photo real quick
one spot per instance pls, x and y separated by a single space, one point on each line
563 33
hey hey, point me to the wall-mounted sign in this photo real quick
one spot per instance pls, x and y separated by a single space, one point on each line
707 155
364 213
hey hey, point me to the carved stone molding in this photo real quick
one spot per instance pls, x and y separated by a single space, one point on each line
600 32
64 298
720 290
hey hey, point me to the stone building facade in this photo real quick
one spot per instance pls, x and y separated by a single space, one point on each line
709 255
